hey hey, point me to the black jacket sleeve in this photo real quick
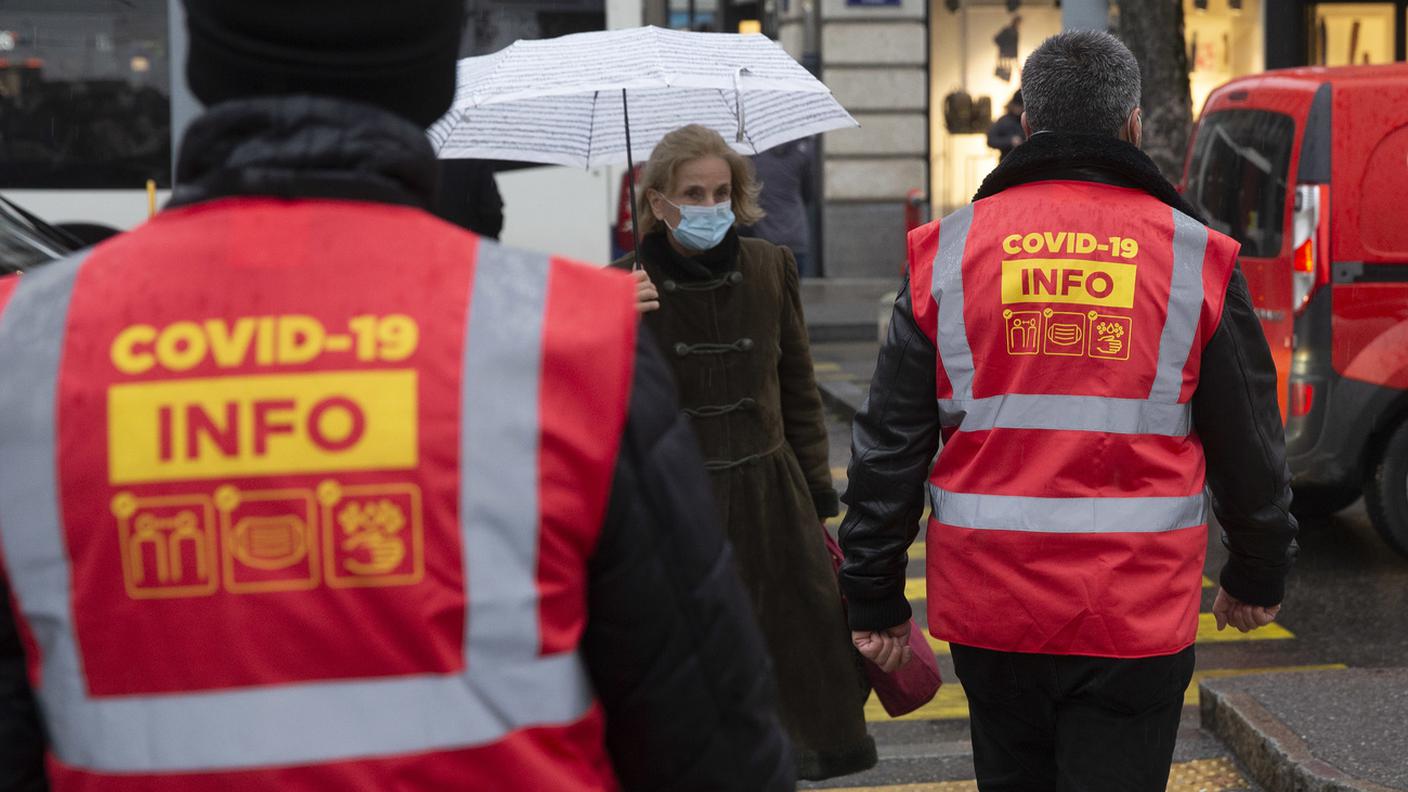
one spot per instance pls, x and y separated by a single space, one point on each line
671 643
893 441
1236 415
21 735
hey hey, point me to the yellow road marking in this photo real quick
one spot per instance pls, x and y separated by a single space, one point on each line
1190 696
949 704
952 704
915 591
825 366
1207 632
920 550
839 474
1199 775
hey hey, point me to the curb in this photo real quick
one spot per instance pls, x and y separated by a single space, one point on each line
840 332
1275 756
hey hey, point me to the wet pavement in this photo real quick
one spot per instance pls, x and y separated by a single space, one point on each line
1346 607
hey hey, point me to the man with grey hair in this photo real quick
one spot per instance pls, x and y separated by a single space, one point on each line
1085 347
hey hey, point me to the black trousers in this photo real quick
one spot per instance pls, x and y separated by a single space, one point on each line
1060 723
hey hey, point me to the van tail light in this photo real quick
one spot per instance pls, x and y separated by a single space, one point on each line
1302 399
1309 262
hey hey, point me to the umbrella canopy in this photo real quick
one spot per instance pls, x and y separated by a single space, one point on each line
564 101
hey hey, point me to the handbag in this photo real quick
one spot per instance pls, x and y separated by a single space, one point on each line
910 686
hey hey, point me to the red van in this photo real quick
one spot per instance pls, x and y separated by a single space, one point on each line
1308 169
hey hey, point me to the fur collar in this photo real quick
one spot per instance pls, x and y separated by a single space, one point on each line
1048 156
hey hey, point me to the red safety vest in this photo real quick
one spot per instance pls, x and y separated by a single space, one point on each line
1068 505
300 496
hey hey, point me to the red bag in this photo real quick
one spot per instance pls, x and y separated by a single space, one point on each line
914 684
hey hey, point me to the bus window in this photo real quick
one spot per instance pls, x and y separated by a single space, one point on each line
84 94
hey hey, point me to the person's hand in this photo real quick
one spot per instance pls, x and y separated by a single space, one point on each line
1227 609
888 649
647 297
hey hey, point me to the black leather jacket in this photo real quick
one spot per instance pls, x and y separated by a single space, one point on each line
896 433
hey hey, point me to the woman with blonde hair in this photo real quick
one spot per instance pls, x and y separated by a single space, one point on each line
727 312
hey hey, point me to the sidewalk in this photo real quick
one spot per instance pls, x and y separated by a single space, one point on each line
843 321
1315 731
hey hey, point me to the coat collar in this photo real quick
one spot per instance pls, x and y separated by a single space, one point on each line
305 147
1048 156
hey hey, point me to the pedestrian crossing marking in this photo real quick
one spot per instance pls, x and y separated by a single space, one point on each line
1200 775
915 591
948 704
1190 696
952 704
1208 632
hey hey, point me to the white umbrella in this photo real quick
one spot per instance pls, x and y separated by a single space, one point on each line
608 97
560 101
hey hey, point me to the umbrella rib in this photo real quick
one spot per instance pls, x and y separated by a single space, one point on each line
591 128
733 111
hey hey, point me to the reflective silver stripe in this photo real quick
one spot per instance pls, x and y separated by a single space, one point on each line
500 438
1185 306
947 288
32 332
1067 515
505 685
1069 413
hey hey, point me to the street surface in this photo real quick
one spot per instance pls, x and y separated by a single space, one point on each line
1346 606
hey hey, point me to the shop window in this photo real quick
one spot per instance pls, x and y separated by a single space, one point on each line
1237 176
701 15
1353 34
1224 40
84 94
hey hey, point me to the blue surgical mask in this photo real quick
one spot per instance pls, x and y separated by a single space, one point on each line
702 227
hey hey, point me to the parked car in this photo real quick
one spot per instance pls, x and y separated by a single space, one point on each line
26 241
1308 169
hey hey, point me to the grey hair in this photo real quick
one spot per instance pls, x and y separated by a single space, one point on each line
1080 81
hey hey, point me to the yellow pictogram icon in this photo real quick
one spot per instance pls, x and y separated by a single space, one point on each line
1110 336
374 535
1065 333
167 545
375 528
269 541
1023 332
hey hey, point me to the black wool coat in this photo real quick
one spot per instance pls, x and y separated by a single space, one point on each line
730 324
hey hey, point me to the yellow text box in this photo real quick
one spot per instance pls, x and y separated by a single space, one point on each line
1076 281
182 430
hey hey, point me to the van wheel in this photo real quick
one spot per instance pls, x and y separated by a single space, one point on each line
1322 501
1386 494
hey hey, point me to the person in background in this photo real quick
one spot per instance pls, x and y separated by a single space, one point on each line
425 517
785 175
1083 426
1006 133
469 196
729 320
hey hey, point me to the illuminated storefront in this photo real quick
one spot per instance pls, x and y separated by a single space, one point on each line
976 49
